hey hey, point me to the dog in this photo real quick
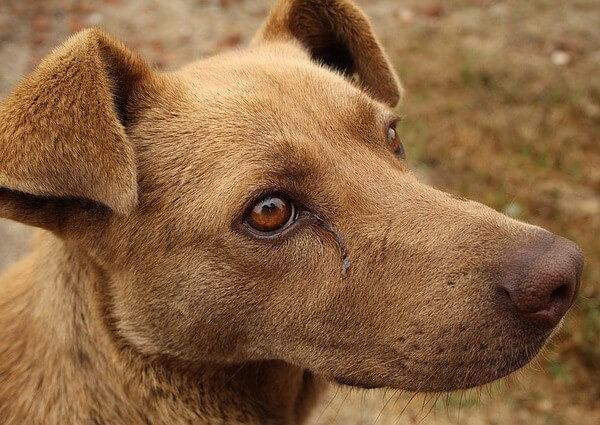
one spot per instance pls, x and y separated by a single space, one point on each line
220 243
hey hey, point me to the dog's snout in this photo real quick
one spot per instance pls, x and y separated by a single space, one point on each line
541 280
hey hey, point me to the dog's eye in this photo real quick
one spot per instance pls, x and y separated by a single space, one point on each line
271 214
394 141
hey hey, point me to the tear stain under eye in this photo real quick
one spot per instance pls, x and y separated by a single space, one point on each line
339 242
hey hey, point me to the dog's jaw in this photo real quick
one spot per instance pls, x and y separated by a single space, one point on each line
63 349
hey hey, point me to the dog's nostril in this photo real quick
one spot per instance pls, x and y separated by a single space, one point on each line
559 294
506 293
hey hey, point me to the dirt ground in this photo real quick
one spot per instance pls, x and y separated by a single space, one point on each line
502 106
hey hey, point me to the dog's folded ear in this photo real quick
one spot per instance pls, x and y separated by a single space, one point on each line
63 130
337 34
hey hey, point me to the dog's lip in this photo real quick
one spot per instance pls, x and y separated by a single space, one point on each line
357 384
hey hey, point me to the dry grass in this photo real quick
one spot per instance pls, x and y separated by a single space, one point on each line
491 114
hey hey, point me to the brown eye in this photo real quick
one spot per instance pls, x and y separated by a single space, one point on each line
394 142
271 213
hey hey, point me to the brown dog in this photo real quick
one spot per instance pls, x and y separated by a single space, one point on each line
221 241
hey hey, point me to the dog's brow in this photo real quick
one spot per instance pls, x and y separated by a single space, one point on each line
393 117
294 160
291 172
396 118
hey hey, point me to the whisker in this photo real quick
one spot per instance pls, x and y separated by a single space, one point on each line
337 389
431 408
406 406
337 412
435 371
385 405
462 393
362 403
425 399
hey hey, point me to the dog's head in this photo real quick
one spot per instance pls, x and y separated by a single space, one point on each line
258 205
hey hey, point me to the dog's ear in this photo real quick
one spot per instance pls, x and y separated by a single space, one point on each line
337 34
63 137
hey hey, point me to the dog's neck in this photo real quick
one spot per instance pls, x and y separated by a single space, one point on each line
63 365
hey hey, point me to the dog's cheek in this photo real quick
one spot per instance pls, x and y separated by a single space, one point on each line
294 288
173 304
164 309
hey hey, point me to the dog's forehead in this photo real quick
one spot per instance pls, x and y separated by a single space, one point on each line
271 88
253 100
238 122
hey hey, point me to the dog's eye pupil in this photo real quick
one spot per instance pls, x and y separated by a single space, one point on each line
270 214
394 142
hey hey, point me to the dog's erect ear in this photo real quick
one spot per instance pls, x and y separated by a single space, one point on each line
338 34
63 130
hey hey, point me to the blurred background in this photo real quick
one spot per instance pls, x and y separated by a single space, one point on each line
502 106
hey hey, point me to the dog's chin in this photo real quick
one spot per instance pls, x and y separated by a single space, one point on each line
446 377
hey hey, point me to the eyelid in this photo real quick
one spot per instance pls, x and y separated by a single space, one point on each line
395 120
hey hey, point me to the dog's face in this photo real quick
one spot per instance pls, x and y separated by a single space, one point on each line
258 205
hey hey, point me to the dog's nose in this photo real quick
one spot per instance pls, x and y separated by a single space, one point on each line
542 279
